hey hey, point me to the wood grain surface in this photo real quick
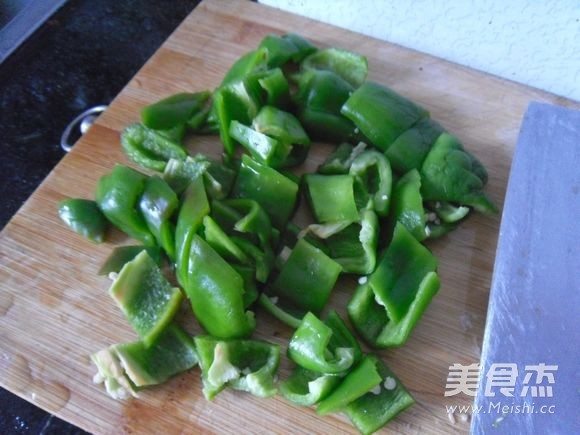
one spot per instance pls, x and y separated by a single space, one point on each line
55 310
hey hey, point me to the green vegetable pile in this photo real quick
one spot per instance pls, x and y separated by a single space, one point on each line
395 179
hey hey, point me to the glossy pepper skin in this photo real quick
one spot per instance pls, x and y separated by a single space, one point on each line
117 196
305 387
146 298
351 67
216 291
372 411
84 217
340 160
150 148
271 306
381 114
285 48
332 197
324 347
276 87
408 205
306 279
373 181
174 110
449 173
246 365
121 255
319 98
386 308
157 204
276 193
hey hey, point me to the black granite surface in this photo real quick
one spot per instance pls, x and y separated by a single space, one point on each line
82 57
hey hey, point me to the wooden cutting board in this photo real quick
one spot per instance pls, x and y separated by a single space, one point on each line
55 310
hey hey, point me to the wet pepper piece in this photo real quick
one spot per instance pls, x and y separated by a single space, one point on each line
449 173
381 114
358 382
319 99
117 196
307 278
250 62
372 411
305 387
84 217
194 207
276 87
351 67
276 193
121 255
157 205
373 180
216 291
324 347
408 205
286 48
332 197
146 298
385 309
150 148
127 367
246 365
174 111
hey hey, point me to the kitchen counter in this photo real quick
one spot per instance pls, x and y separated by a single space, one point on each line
81 57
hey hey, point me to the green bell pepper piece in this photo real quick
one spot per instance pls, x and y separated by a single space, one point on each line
174 134
280 125
285 48
351 67
306 388
372 411
255 60
319 99
222 243
386 307
194 207
374 178
276 86
157 204
340 160
248 274
246 365
150 148
305 48
381 114
121 255
146 298
327 348
358 382
117 195
262 148
409 150
408 205
276 193
332 198
262 260
84 217
215 291
271 306
450 173
307 278
174 111
448 212
127 367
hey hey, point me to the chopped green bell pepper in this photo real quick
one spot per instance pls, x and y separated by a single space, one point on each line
381 114
339 161
408 205
285 48
216 291
250 62
84 217
157 204
449 173
146 298
327 348
247 365
332 198
117 195
373 179
306 388
386 308
276 86
174 111
271 306
351 67
121 255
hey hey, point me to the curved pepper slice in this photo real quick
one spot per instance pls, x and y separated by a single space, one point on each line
276 86
319 99
286 48
121 255
174 110
247 365
339 161
117 195
150 148
408 205
270 305
124 368
372 172
332 197
449 173
359 381
307 278
216 291
84 217
194 207
381 114
305 387
385 308
157 204
252 61
275 192
327 347
375 409
146 298
351 67
222 243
